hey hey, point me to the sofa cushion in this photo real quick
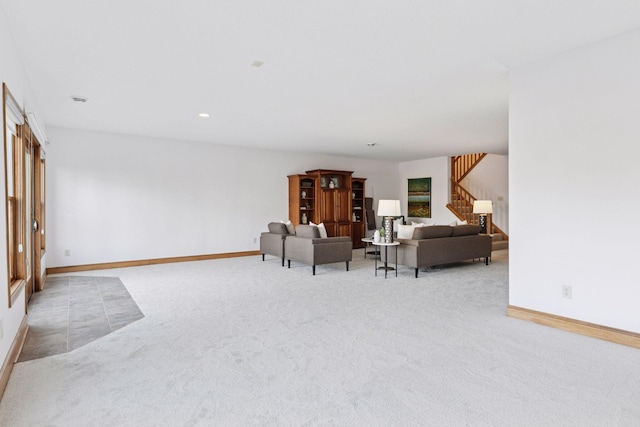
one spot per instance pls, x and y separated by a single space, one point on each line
433 232
277 228
307 231
465 230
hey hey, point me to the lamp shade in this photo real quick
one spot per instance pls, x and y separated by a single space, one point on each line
389 208
482 207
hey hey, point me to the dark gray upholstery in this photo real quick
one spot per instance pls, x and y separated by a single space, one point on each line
308 247
434 249
465 230
432 232
277 228
307 231
272 242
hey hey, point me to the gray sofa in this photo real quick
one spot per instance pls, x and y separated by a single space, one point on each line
307 247
272 242
442 244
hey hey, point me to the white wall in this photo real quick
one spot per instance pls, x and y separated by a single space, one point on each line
11 73
438 169
489 180
574 200
117 198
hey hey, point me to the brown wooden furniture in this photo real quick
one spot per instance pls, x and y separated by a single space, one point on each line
358 209
333 208
302 201
331 197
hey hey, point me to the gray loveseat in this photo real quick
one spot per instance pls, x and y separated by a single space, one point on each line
443 244
307 247
272 242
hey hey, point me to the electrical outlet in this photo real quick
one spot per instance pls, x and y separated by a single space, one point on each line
67 252
566 292
1 329
255 240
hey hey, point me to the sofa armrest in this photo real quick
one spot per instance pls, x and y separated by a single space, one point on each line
428 252
333 249
299 249
272 244
316 251
330 240
408 242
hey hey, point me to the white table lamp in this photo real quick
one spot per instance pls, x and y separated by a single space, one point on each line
388 209
483 207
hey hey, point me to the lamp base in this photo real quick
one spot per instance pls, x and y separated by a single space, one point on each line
483 224
388 229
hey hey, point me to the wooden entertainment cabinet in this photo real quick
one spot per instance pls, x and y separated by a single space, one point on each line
331 197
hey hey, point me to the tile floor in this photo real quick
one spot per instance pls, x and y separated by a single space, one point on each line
74 310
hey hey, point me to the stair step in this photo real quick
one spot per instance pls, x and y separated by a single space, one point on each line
500 244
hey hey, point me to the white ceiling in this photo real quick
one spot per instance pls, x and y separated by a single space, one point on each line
420 79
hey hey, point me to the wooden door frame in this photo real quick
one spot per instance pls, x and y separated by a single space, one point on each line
33 278
38 214
28 210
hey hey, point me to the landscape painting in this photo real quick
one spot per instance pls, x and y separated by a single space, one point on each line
419 198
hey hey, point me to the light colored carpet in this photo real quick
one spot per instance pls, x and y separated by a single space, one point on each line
245 342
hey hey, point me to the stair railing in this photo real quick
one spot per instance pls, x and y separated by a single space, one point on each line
462 165
459 193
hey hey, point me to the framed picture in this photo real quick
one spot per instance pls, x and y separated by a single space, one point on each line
419 197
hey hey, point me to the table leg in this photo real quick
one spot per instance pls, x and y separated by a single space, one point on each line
385 262
376 262
396 260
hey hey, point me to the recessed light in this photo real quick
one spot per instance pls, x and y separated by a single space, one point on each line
205 115
257 63
77 98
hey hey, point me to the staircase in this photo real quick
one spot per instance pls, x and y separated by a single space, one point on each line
461 203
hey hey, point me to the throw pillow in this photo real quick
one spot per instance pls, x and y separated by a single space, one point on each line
422 224
290 227
323 230
405 231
